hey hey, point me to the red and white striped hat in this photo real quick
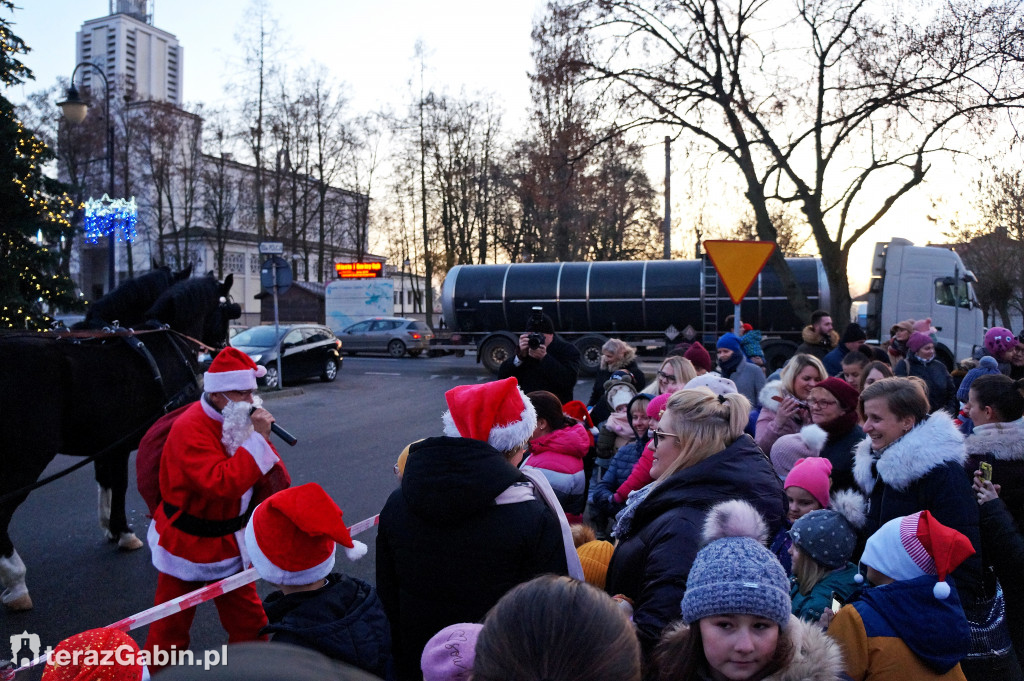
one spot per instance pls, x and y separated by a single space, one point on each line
232 369
291 536
916 545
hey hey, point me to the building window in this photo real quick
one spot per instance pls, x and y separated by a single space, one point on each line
254 263
234 261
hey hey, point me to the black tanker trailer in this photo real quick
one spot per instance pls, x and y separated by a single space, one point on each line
648 303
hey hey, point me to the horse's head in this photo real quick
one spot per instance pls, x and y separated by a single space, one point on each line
200 307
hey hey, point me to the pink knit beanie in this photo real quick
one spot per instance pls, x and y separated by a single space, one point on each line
812 475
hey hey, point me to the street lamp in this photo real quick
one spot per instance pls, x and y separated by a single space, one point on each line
75 110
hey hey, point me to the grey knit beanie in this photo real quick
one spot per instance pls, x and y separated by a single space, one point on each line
736 574
829 535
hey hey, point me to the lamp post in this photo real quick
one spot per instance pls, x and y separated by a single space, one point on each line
75 110
405 264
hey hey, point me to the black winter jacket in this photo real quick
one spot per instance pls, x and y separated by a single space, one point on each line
1003 547
651 563
839 452
556 373
343 620
923 470
446 552
941 390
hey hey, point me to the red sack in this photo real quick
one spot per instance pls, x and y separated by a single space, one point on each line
147 460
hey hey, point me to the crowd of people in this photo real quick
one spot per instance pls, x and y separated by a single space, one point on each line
855 514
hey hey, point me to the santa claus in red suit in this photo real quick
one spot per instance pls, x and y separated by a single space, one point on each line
216 453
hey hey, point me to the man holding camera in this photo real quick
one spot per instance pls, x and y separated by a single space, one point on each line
543 361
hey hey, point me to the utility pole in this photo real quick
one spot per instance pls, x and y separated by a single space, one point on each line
668 199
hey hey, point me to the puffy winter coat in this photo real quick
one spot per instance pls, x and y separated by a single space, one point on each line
900 632
558 456
766 431
941 390
923 470
652 560
447 552
639 477
810 606
343 620
816 344
838 450
618 471
1002 445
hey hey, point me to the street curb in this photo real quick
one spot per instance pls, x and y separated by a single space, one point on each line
287 392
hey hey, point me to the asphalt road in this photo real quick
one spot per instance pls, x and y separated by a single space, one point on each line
350 433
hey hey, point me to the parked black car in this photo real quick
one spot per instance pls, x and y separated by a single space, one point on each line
307 351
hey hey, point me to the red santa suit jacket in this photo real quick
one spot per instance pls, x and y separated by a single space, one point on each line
203 480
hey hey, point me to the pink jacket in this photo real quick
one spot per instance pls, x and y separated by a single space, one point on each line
766 431
640 477
562 450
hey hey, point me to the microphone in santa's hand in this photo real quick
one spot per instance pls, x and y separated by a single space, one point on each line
279 431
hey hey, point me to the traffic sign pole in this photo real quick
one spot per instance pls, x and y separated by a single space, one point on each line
277 327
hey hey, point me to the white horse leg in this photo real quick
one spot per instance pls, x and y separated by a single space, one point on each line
12 576
127 541
105 495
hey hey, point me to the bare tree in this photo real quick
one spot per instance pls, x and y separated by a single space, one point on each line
837 107
792 237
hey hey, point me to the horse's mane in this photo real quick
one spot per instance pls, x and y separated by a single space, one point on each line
128 301
186 305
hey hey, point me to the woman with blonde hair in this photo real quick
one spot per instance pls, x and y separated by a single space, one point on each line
673 374
784 402
701 457
616 356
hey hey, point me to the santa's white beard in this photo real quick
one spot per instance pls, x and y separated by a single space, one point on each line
237 424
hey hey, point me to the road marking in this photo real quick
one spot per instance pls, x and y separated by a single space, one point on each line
380 373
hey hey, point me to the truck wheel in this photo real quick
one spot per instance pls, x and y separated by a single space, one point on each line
495 352
590 354
777 353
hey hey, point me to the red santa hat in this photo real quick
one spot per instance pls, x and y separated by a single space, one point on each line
97 655
916 545
232 369
291 536
498 413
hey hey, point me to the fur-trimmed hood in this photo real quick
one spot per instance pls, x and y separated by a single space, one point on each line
816 657
1005 441
931 443
812 337
769 392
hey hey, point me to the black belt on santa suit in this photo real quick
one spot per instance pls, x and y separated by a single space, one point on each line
201 527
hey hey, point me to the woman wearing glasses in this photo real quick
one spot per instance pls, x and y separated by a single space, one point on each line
701 457
673 374
833 407
784 402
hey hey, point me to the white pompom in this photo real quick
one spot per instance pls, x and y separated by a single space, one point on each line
859 578
941 590
357 551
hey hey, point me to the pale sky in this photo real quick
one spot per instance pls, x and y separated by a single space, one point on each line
471 44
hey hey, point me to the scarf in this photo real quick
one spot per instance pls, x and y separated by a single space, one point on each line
624 520
730 365
841 425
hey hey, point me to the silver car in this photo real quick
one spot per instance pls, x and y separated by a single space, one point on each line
393 335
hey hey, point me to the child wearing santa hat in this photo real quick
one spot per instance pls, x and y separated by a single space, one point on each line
908 623
292 539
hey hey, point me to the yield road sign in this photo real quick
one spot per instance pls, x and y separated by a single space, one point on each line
738 263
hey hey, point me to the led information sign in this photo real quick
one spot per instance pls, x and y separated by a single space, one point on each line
359 270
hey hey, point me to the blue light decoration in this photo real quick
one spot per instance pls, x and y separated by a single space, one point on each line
107 216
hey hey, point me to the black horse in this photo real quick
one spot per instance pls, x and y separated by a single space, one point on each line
128 303
96 394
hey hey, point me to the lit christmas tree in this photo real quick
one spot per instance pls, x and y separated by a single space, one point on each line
34 210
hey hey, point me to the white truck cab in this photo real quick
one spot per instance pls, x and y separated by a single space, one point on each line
919 282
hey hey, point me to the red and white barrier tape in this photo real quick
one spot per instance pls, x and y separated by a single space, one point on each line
194 598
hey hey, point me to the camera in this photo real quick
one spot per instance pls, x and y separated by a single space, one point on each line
535 340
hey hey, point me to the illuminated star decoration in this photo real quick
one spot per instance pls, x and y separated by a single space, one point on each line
107 216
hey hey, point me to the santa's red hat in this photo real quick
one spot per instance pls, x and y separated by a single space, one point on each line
291 536
232 369
498 413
